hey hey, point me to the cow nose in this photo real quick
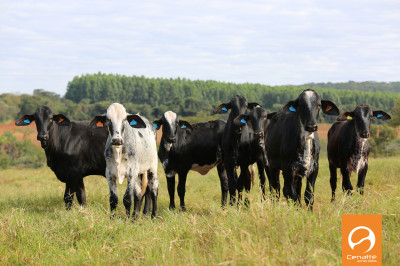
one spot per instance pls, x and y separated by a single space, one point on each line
41 137
365 135
116 142
311 128
171 140
259 134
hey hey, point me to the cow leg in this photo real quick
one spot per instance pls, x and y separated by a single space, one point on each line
181 189
137 202
333 180
261 168
297 185
223 178
309 193
273 177
69 194
361 179
346 184
128 199
153 187
113 193
171 191
288 186
244 182
80 192
147 201
232 182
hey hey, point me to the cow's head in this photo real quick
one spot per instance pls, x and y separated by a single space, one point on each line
170 124
307 106
258 117
362 117
117 120
238 105
44 119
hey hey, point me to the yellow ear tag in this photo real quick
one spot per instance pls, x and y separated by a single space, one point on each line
99 124
349 118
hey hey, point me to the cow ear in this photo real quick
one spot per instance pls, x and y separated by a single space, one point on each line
223 108
98 121
185 125
61 120
25 120
345 116
157 124
241 120
291 106
381 115
252 105
135 121
329 108
270 115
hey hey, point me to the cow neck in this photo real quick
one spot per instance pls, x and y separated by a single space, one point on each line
53 144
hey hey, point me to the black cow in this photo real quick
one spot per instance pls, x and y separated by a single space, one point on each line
73 150
348 146
187 147
293 145
240 147
252 129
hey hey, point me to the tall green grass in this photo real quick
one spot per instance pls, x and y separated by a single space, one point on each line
36 229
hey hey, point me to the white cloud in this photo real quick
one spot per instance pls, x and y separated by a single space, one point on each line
45 44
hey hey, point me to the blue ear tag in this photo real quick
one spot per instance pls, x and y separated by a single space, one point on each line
224 109
133 123
26 121
379 115
291 108
155 125
183 126
243 121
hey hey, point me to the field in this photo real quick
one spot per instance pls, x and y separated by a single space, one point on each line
36 229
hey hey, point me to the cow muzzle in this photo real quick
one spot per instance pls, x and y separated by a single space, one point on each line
260 137
116 142
364 135
311 128
171 140
43 138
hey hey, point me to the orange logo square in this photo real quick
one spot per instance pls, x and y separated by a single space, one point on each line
361 239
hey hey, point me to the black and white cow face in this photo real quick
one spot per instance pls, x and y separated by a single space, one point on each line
258 117
170 123
307 106
238 105
44 119
117 120
362 117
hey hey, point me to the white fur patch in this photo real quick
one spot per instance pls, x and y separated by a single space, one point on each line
170 117
359 159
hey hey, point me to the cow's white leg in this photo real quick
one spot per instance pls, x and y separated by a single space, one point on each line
113 191
153 187
128 198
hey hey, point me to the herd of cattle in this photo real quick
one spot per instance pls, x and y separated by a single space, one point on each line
120 145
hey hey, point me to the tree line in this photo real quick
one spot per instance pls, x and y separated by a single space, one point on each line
89 95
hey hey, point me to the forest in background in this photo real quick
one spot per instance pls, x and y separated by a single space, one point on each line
89 95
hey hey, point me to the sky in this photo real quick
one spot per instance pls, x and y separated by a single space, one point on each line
45 44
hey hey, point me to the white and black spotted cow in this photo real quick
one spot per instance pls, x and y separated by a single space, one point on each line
131 153
187 147
348 146
293 145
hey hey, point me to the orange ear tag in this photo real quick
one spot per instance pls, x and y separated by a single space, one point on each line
328 108
99 124
61 119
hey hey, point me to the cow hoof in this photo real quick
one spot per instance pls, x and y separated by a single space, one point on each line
183 208
171 207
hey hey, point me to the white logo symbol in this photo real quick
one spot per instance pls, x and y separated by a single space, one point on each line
370 237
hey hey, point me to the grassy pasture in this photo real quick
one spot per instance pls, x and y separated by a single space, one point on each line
36 229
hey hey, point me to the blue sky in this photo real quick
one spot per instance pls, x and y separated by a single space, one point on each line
44 44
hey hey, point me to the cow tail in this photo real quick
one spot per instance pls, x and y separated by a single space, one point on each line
144 183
